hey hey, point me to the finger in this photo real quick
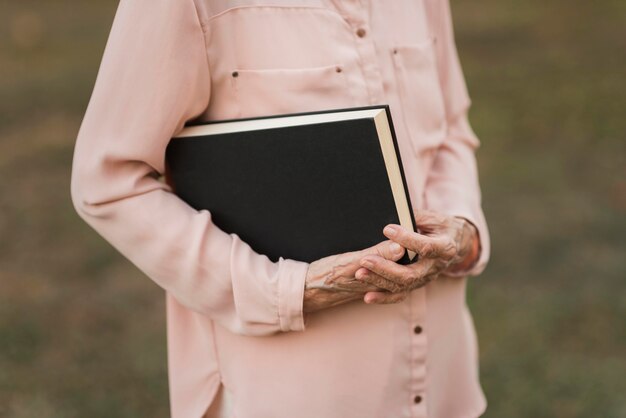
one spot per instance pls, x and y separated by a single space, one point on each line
384 298
358 286
424 245
348 263
382 283
388 249
408 277
398 273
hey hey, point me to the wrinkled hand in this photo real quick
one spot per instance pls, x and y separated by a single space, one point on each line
444 244
330 281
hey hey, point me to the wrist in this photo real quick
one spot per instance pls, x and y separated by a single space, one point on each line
469 246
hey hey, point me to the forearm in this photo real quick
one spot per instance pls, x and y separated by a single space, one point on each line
137 105
452 187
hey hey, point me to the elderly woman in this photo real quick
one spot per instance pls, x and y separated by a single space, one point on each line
351 335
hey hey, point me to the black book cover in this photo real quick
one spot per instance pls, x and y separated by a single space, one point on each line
301 192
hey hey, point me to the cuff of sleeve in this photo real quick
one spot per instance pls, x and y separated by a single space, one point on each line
291 294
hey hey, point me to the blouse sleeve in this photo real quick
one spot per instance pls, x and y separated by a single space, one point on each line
453 183
154 76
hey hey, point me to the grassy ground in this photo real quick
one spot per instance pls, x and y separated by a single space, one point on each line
82 331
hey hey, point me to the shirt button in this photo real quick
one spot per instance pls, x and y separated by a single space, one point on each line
417 399
360 32
417 329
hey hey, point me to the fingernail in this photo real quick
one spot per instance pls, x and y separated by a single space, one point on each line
390 230
369 299
395 248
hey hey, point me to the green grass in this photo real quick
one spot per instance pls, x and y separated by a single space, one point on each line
82 331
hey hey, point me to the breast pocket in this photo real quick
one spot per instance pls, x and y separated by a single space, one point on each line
260 92
420 94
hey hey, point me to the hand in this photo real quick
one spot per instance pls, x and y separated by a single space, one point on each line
445 244
330 280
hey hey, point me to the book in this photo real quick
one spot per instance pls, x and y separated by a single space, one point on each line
300 185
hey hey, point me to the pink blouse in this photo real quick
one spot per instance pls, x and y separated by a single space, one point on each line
238 340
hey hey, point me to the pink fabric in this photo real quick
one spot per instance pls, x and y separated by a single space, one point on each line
234 318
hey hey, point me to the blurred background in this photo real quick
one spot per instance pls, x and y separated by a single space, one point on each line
82 331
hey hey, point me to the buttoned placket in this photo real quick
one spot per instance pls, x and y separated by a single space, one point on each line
419 346
355 13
